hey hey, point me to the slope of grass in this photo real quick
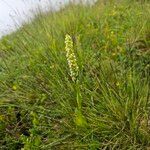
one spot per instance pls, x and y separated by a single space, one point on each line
107 107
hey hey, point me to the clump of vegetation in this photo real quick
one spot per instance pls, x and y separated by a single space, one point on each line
78 79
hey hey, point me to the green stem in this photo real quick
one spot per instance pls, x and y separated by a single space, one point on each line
79 96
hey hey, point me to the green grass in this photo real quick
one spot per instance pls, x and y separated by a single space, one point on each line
39 100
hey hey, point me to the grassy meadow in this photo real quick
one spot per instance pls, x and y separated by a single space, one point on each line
78 79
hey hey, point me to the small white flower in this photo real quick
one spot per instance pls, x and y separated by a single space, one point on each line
71 58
